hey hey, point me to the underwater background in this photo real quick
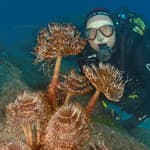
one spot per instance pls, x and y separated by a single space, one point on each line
20 21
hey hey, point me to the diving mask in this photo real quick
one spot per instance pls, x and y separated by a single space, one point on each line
106 30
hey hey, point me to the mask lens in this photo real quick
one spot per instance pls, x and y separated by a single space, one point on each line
91 33
106 30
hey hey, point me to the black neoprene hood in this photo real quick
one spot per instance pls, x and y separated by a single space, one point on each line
99 11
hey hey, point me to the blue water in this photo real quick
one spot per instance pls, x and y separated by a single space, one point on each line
21 20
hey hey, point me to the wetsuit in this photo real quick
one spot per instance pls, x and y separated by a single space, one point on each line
132 55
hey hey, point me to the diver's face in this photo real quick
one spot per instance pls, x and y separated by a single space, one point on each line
100 30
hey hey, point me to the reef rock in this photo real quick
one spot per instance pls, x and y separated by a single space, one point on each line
11 84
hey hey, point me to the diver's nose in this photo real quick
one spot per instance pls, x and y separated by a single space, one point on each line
99 37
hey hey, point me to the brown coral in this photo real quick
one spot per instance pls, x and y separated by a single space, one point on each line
68 129
29 110
58 41
107 80
74 84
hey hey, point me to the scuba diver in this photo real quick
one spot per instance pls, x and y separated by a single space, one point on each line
123 40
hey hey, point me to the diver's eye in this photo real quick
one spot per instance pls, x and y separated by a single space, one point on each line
91 33
106 30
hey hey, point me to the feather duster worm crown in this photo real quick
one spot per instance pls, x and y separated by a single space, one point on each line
58 40
75 84
68 129
27 108
106 79
31 112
